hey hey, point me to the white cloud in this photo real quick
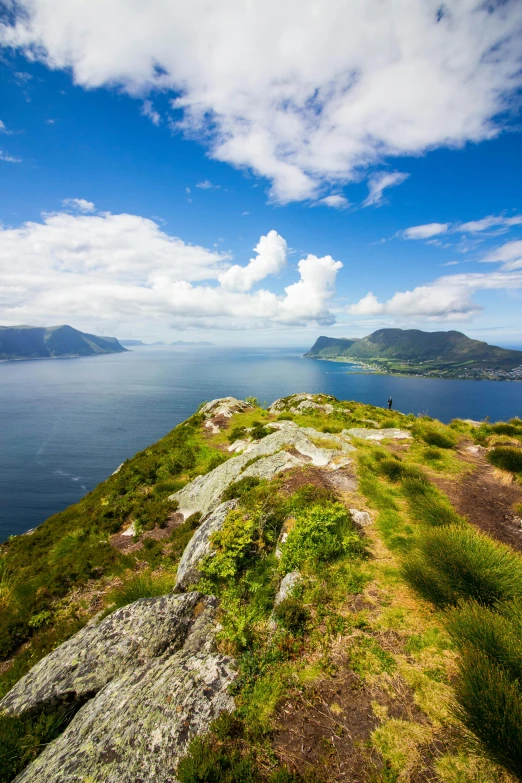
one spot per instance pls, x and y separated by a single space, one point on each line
335 200
299 92
491 221
510 254
447 299
123 269
149 111
425 231
379 182
271 258
5 156
79 204
207 185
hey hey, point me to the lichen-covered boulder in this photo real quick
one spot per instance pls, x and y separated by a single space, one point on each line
199 545
99 652
224 406
138 724
303 402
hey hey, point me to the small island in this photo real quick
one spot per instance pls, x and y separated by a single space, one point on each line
52 342
414 352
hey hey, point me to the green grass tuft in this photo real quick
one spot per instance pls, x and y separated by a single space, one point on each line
506 458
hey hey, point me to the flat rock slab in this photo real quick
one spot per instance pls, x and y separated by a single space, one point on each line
375 434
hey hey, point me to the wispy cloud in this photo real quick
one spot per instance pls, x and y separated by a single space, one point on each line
5 156
79 204
378 183
425 231
207 185
335 200
149 111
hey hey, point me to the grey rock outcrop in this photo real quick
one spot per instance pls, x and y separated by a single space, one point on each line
302 403
287 586
199 545
217 412
360 517
154 680
204 493
374 434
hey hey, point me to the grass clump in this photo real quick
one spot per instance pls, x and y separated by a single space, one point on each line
144 585
22 739
441 437
456 563
427 505
506 458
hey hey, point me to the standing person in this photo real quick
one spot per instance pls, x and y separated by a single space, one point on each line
390 402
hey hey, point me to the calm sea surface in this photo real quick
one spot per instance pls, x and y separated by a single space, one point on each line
65 425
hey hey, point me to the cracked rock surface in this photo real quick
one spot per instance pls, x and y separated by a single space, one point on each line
154 680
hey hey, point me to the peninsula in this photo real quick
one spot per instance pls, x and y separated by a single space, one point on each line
52 342
318 585
414 352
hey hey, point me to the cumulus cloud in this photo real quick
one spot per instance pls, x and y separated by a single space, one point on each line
149 111
302 94
447 299
426 231
79 204
379 182
114 269
207 185
335 200
270 259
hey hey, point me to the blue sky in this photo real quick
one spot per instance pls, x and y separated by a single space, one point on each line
117 138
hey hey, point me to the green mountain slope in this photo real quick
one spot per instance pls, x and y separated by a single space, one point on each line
370 626
37 342
413 351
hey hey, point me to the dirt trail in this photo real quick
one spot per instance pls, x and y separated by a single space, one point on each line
484 500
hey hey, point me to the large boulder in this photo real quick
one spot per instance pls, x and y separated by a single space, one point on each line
165 684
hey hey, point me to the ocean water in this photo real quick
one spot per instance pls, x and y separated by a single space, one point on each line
65 425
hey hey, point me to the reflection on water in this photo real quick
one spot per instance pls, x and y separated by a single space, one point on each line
66 425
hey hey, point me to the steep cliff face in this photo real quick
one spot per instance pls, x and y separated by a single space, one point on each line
268 618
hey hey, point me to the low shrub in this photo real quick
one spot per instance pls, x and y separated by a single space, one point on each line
457 563
320 533
232 546
506 458
258 431
239 488
237 433
223 756
292 615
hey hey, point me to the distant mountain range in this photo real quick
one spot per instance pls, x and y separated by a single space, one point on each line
44 342
414 352
177 342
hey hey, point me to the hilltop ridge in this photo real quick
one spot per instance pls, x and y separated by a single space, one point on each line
415 352
49 342
270 592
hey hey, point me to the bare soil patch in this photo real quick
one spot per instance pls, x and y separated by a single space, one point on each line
326 728
127 544
487 503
